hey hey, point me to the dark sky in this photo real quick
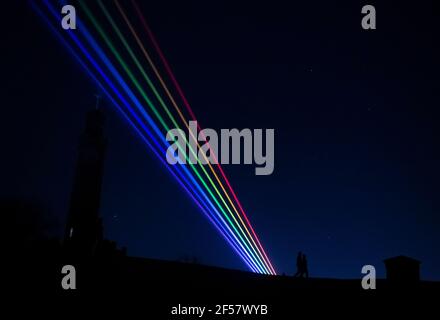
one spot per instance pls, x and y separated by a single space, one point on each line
355 115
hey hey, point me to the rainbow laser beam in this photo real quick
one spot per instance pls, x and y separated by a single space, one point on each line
191 177
173 120
167 91
193 117
252 254
136 129
93 43
95 46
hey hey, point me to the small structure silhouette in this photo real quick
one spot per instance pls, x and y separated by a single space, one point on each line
402 269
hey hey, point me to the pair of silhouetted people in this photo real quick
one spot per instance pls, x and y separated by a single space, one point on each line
302 269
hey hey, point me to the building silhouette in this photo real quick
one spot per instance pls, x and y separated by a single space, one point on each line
83 231
402 269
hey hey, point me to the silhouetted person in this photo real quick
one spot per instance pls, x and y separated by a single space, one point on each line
299 264
305 268
302 269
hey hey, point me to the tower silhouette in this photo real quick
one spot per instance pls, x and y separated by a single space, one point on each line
84 226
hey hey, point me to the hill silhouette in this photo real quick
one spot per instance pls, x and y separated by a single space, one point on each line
104 274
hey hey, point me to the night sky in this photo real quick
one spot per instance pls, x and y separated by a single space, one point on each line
355 114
